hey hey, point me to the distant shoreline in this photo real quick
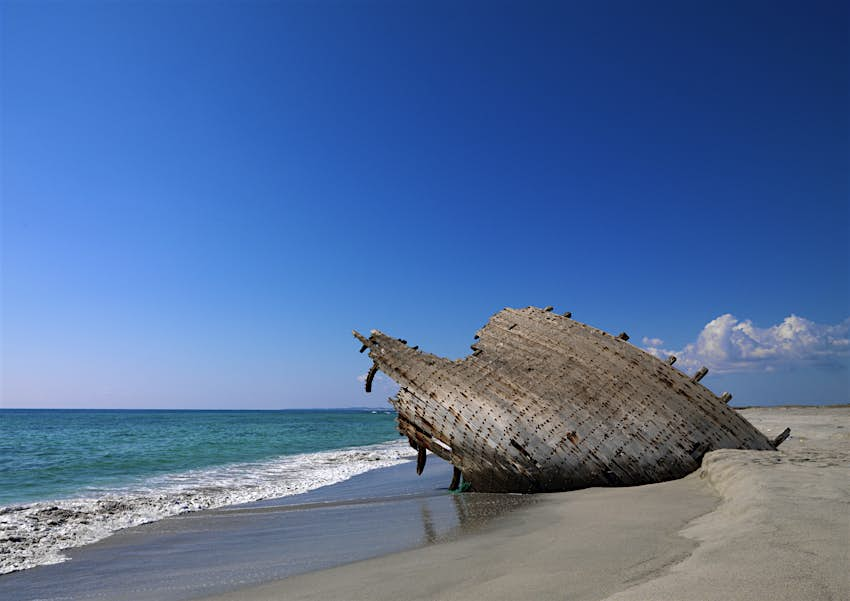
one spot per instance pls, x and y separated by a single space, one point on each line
793 406
388 408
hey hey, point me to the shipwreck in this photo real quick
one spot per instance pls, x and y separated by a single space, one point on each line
545 403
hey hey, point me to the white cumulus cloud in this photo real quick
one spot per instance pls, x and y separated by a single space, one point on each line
728 344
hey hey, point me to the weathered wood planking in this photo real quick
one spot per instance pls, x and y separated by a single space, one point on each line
546 403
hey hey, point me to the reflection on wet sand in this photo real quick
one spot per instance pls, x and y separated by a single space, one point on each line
464 513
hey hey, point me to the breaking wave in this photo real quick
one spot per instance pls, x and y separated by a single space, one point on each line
36 533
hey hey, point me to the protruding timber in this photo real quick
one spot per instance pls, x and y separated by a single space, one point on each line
671 359
549 308
623 336
371 376
700 374
568 314
781 438
420 459
726 397
552 405
455 483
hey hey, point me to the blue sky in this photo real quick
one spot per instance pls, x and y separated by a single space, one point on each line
201 200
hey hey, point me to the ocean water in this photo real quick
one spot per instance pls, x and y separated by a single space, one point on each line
72 477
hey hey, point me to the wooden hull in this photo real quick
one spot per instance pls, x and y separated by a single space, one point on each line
546 403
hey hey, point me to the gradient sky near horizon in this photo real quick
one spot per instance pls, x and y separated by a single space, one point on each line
200 200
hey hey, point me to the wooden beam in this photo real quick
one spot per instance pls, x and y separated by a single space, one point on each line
456 476
700 374
781 438
371 376
421 456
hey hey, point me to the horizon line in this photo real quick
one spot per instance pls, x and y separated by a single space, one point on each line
359 408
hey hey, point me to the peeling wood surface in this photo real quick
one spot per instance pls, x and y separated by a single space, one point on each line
546 403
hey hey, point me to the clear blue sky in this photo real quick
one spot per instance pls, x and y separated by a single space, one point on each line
200 200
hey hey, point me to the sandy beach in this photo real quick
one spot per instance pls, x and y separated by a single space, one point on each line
747 525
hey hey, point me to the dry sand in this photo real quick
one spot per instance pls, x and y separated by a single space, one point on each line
748 525
782 530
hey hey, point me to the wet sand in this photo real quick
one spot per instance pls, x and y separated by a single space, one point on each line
207 552
747 525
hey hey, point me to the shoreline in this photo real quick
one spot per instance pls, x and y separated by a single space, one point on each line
45 532
751 524
206 552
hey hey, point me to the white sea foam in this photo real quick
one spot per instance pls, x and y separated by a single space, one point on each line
36 533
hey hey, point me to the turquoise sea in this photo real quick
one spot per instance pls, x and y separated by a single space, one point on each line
50 454
70 477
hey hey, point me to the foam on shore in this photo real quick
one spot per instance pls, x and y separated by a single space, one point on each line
36 533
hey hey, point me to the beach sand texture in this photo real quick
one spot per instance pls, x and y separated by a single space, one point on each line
747 525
